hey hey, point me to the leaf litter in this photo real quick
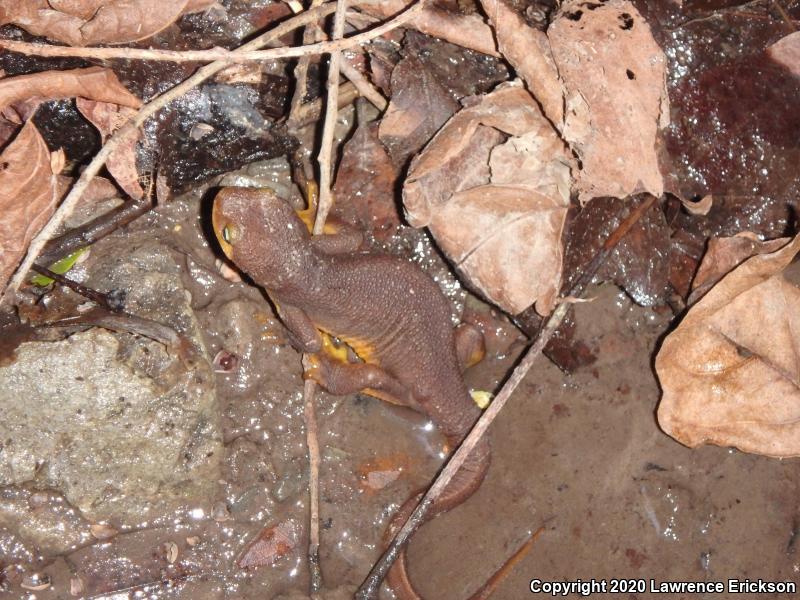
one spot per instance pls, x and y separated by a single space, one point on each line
519 183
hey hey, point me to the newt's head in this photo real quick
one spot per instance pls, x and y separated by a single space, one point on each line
261 234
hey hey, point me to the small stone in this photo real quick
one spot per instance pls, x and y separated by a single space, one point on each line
219 512
192 540
75 586
102 531
171 552
36 582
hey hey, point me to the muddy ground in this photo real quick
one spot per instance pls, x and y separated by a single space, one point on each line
579 454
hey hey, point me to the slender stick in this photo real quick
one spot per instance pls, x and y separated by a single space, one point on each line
310 35
131 127
369 589
219 55
329 126
312 440
363 85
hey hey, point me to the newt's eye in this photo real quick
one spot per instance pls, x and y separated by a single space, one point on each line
229 234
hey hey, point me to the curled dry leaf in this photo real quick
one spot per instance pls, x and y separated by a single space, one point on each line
699 207
786 51
95 83
730 372
528 51
496 206
87 22
420 105
725 254
29 191
108 117
615 96
272 543
467 30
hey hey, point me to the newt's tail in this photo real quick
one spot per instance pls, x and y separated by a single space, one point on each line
463 485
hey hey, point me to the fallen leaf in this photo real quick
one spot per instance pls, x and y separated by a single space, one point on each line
29 191
94 83
724 254
639 263
786 51
614 76
365 182
730 372
81 23
493 188
121 164
420 105
467 30
273 543
528 51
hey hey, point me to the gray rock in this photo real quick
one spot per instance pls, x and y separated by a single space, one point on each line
113 421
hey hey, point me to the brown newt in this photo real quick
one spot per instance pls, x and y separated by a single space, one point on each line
386 309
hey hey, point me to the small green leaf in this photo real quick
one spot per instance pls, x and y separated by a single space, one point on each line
61 266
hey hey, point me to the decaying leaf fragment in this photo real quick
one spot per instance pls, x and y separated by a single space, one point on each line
29 191
615 96
80 23
108 117
730 372
95 83
493 188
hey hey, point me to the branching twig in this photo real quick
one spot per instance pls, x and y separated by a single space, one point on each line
331 113
149 109
369 589
301 71
219 55
363 85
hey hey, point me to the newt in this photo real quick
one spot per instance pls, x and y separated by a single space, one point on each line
386 309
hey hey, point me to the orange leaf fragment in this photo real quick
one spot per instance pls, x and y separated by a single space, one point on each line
273 543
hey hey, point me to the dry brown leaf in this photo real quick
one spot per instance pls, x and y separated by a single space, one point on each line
81 23
95 83
724 254
493 188
469 31
365 182
29 191
786 51
730 372
272 543
528 51
122 162
615 96
418 108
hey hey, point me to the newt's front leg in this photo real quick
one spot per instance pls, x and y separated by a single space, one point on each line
342 378
303 335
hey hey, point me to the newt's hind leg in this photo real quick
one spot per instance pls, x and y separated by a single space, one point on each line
470 345
342 378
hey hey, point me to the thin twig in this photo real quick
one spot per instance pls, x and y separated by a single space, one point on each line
363 85
149 109
369 589
310 111
92 231
312 440
329 126
301 70
98 298
323 205
219 55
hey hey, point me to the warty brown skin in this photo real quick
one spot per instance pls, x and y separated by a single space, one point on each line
387 309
